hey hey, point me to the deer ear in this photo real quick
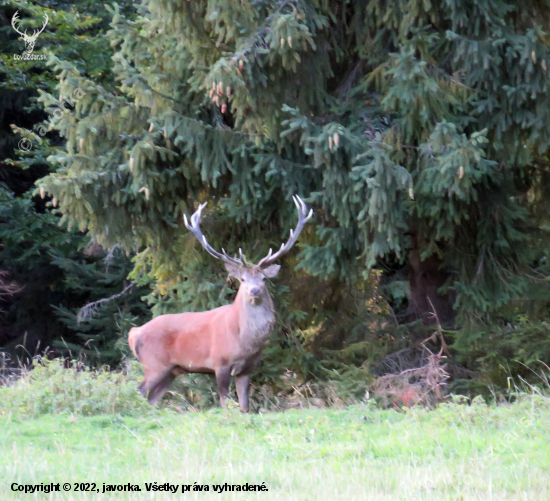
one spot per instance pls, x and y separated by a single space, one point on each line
233 270
271 271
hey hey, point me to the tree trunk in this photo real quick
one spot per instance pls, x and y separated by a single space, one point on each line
425 278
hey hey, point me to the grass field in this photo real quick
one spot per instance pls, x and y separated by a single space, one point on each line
457 452
82 426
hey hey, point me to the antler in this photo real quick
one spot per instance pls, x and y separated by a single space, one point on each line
14 19
36 33
194 227
302 220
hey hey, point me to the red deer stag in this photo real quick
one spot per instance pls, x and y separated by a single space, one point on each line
226 341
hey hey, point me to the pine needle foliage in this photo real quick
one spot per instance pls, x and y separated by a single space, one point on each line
37 254
393 119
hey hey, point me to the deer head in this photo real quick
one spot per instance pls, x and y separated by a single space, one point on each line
252 277
28 39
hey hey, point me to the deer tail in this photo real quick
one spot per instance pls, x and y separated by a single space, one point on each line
133 336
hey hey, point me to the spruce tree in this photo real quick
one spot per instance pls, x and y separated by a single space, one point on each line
417 130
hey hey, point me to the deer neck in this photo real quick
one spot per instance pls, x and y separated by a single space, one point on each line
255 320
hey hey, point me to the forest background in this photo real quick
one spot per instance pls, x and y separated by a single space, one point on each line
417 131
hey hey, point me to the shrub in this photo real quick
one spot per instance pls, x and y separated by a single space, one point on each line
61 386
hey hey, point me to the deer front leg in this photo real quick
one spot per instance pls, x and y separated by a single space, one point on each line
242 383
223 378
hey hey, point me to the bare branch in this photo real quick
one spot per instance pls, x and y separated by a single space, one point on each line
88 310
7 289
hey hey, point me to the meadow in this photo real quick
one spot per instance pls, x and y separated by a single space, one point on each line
85 428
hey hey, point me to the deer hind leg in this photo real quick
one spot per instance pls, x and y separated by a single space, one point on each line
242 383
149 379
159 386
223 378
155 383
142 388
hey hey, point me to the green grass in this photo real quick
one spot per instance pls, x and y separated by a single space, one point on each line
81 426
457 452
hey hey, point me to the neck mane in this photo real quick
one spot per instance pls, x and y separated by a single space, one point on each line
255 320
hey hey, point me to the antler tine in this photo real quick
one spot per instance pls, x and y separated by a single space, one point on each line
303 218
228 256
14 19
194 228
36 32
304 209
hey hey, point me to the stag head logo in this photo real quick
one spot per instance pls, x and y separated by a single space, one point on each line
28 39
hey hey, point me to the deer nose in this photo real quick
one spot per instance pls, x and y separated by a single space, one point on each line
255 291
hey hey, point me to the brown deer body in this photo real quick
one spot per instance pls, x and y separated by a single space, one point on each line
226 341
